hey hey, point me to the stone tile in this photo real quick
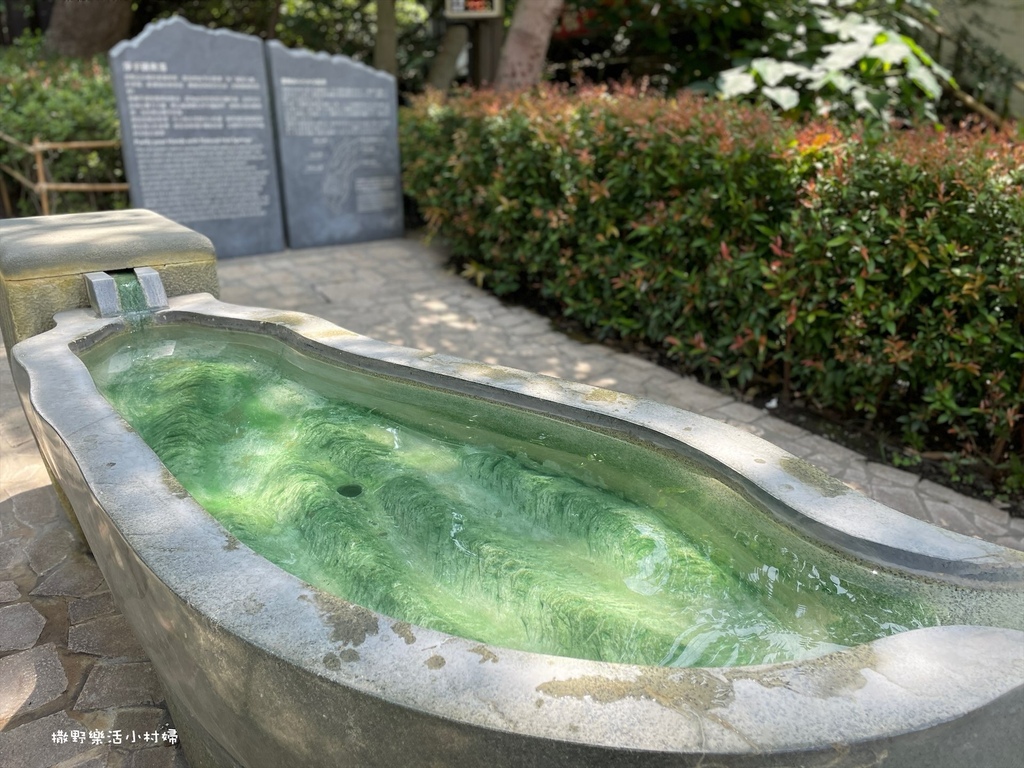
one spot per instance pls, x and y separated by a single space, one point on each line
135 722
736 411
77 577
50 549
14 430
882 474
694 396
903 500
158 757
76 665
22 470
32 745
753 429
97 757
825 451
987 520
948 516
20 626
38 506
785 431
982 508
9 592
29 680
108 636
12 555
120 685
987 527
966 504
91 607
941 492
1013 542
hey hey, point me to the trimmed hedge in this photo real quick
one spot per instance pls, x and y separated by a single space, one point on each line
59 99
879 279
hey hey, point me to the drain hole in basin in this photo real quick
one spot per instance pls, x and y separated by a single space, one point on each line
350 491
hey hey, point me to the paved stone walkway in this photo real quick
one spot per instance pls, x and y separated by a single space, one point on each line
68 662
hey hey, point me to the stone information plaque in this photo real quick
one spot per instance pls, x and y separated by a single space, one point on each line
337 132
197 134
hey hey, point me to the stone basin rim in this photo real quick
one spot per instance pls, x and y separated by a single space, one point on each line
353 646
832 514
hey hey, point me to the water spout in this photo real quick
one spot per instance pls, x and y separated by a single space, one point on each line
125 293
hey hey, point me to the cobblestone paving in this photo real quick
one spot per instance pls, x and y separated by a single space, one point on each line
68 661
76 690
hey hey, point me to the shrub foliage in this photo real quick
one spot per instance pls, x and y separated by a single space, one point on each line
875 278
58 100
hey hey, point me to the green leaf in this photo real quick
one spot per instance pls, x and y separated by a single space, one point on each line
736 82
773 72
891 52
783 95
924 79
843 55
839 80
853 27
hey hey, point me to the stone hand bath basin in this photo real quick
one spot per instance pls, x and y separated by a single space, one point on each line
261 668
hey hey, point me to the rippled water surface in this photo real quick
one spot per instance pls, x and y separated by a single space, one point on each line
485 521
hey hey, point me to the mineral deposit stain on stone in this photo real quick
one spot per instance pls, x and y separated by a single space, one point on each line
485 653
403 630
175 488
252 606
350 624
332 662
683 691
806 472
836 674
606 396
434 662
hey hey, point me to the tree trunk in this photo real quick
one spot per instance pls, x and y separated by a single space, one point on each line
442 69
526 47
275 16
384 55
82 29
13 21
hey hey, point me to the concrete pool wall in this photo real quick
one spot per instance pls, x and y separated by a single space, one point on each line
262 669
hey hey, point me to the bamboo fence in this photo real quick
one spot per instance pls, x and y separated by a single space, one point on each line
42 187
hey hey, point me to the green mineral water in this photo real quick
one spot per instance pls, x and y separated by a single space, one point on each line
491 522
130 293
